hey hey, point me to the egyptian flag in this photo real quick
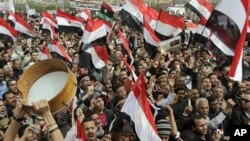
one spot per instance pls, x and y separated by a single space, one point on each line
99 55
229 31
47 25
132 14
106 12
201 8
138 109
95 29
21 25
150 39
125 43
149 35
58 49
68 23
44 54
168 25
85 14
11 19
202 32
7 30
151 17
50 18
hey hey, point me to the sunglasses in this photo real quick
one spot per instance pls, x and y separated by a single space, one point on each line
245 100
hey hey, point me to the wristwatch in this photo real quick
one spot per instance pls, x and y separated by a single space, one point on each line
18 119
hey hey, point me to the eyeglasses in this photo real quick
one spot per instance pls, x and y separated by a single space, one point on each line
245 100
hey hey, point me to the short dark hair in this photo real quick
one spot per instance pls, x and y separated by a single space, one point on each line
196 117
5 94
87 119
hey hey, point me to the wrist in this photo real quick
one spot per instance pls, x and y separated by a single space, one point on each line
47 114
18 119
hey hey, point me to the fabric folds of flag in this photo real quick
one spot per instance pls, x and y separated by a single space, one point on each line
80 136
226 25
22 26
125 43
68 23
95 29
85 14
149 35
202 32
132 14
49 18
169 25
99 55
7 30
47 25
106 12
44 54
58 49
201 8
242 22
151 17
137 107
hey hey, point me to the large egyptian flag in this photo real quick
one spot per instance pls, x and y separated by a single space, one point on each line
7 30
132 14
21 25
68 23
106 12
99 55
229 29
149 35
59 50
137 107
95 29
151 17
201 7
151 40
168 25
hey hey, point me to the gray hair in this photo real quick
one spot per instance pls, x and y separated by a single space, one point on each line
200 100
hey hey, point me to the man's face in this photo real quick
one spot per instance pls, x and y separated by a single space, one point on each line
34 56
215 106
203 109
2 109
180 94
123 75
121 91
99 104
10 100
213 79
194 94
86 81
17 64
90 130
245 100
13 86
200 126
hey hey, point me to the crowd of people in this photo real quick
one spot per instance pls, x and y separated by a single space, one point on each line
197 100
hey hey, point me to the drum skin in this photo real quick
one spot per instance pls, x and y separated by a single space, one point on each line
39 69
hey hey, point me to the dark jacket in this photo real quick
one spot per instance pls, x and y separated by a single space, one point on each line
239 117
